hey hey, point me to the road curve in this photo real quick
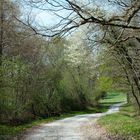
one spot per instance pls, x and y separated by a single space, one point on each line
72 128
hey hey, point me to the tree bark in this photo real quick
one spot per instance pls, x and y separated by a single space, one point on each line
1 29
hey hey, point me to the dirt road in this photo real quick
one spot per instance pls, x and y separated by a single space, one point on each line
80 127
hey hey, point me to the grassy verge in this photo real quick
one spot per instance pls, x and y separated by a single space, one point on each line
125 125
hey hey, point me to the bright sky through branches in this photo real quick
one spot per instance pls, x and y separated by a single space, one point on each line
48 18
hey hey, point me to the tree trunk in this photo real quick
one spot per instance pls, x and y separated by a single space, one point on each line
1 29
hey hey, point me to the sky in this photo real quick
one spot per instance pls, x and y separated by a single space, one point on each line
46 18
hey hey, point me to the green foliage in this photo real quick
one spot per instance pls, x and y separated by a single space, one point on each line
13 75
43 83
104 84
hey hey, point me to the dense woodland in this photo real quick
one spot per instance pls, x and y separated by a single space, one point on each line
47 72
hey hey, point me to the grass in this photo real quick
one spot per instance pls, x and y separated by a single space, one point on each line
112 98
125 124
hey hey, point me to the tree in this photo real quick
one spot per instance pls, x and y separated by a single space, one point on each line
80 13
113 28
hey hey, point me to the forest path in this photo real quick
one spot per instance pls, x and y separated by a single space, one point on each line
80 127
